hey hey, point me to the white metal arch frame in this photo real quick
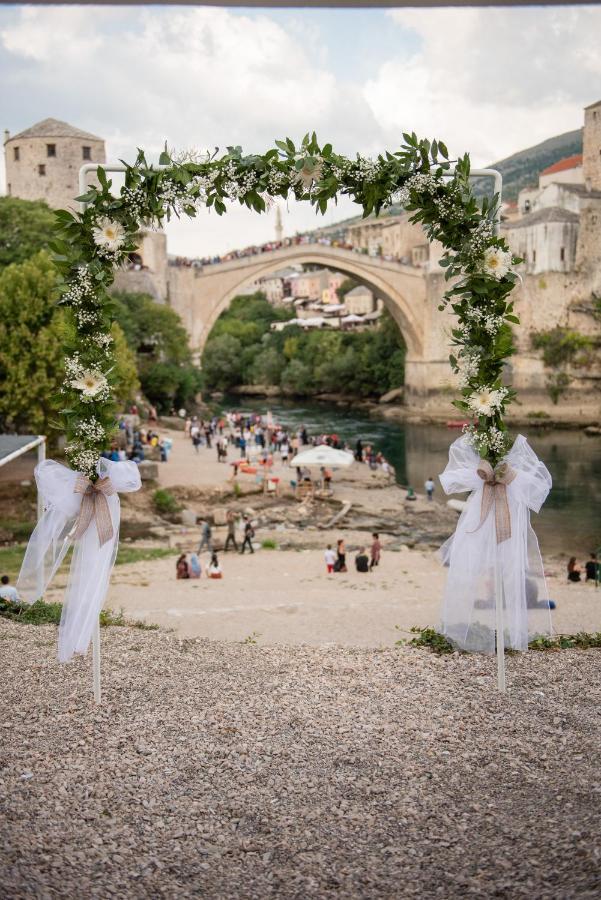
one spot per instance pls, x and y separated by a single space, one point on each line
87 169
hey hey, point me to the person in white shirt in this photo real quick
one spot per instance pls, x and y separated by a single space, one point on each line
330 558
7 591
429 486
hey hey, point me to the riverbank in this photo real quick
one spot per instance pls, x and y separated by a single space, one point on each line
228 770
575 412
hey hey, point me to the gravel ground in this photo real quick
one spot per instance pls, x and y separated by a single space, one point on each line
236 771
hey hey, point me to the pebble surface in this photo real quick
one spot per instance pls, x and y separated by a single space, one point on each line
225 770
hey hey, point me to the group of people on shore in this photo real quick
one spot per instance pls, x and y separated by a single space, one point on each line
137 443
192 567
336 559
592 569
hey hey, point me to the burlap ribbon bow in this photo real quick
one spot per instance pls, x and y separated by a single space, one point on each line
94 505
495 494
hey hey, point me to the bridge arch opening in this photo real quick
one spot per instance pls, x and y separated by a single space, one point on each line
379 278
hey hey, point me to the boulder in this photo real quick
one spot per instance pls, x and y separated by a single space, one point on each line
153 454
149 471
188 517
220 515
391 396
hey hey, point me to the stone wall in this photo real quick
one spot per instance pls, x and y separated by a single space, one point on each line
591 146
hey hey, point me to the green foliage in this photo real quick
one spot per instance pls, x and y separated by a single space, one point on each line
32 331
222 362
159 341
347 285
438 643
42 613
241 349
430 639
561 346
269 544
165 502
26 227
12 557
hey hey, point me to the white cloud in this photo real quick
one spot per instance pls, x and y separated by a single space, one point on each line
490 81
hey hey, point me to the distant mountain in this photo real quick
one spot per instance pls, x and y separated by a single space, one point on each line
518 171
523 168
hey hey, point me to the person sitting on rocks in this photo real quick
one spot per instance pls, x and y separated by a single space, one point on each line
214 570
362 561
181 567
573 570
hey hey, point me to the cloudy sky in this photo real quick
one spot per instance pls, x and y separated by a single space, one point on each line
491 81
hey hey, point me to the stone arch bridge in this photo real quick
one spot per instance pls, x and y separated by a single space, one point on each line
410 294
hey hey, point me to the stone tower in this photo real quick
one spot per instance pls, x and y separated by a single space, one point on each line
591 147
43 162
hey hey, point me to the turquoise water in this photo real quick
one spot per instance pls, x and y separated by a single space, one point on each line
570 521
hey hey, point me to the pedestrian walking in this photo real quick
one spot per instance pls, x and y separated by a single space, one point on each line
376 551
231 531
205 537
249 533
429 486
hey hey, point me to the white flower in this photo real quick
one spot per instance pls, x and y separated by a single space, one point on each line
109 234
311 171
497 262
485 401
90 383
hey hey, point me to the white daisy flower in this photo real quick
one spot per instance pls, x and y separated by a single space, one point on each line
90 383
497 262
311 171
109 234
486 401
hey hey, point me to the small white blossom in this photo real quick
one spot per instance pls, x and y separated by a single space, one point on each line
467 368
81 458
90 429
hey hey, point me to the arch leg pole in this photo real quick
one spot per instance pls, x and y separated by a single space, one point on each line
499 626
96 662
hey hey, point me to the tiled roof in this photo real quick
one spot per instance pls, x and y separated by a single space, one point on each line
542 216
592 105
54 128
570 162
582 190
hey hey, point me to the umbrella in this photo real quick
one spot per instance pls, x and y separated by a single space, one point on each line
323 456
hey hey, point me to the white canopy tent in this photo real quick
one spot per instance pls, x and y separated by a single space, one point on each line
12 446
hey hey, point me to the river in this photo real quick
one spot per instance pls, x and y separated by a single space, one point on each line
570 521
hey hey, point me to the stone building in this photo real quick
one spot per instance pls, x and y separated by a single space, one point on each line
43 162
359 301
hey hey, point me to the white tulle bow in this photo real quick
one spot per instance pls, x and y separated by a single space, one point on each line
75 516
505 538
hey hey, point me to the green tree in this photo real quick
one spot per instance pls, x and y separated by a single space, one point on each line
268 366
33 332
297 378
160 342
222 364
347 285
25 229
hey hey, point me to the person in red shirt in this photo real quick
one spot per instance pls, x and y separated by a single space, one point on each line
376 551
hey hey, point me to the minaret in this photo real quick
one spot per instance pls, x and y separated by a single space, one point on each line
279 228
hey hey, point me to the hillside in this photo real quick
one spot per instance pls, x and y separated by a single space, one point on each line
518 170
522 168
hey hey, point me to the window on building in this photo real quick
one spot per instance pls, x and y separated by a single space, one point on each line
41 169
527 206
8 189
534 256
16 154
86 153
562 254
50 149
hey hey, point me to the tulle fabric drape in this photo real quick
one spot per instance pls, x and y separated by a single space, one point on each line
468 617
91 564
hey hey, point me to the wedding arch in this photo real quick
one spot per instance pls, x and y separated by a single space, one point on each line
89 244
